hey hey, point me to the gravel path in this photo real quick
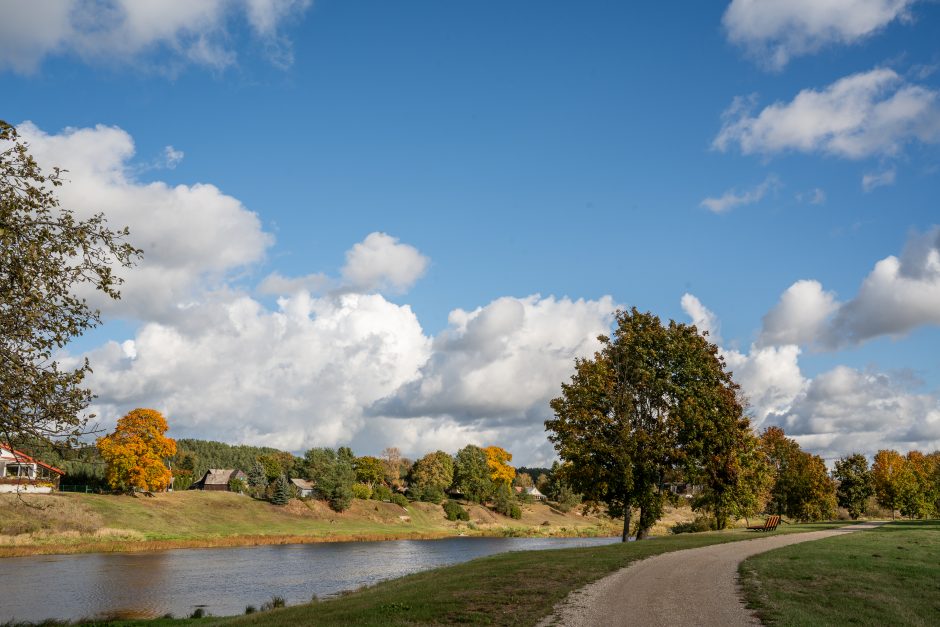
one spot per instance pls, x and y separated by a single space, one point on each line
691 587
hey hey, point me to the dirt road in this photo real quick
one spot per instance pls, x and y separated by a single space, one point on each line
692 587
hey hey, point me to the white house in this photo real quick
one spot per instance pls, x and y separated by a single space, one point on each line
21 473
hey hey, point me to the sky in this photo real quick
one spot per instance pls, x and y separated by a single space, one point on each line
375 224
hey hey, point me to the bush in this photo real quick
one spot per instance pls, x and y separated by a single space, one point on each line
238 486
454 511
399 499
430 494
275 603
342 498
701 523
381 493
361 491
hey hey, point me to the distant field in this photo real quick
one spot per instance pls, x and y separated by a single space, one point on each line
87 522
887 576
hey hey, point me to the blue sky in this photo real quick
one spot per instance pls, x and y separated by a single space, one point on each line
527 165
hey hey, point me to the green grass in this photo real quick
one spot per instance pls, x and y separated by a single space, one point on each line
506 589
886 576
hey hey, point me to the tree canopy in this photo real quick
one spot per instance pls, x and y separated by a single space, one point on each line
134 454
653 398
855 483
45 254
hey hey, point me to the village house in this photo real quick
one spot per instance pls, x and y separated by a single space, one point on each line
530 491
21 473
304 487
218 479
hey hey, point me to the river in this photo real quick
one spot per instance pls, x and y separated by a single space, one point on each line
225 581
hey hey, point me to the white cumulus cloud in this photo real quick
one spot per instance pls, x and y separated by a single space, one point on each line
501 364
380 261
838 412
800 316
869 113
899 295
775 31
117 31
190 234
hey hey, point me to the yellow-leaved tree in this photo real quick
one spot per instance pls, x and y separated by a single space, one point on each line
136 451
498 461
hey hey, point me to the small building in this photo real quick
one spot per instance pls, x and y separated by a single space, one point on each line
304 487
217 479
535 494
21 473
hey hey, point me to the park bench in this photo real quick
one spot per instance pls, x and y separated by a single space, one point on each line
769 525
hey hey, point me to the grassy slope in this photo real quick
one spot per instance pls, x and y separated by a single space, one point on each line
87 522
506 589
890 575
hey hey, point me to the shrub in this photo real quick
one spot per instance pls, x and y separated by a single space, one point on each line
275 603
399 499
250 609
361 491
381 493
454 511
342 498
237 485
515 511
701 523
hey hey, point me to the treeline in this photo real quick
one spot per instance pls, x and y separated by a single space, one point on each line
198 456
478 475
909 484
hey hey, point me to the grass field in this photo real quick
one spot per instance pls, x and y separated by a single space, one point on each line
64 523
887 576
506 589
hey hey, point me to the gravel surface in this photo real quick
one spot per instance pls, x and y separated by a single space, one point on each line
691 587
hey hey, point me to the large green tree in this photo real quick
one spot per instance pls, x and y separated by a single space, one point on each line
653 399
472 474
802 488
855 484
430 476
45 254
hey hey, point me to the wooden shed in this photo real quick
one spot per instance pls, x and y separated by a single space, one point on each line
217 479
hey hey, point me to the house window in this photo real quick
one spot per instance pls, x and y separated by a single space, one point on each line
17 470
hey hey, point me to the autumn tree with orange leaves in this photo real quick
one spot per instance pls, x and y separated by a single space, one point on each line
498 459
136 451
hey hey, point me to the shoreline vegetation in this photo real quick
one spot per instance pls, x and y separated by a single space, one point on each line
65 523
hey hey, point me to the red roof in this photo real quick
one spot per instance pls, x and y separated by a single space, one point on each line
20 456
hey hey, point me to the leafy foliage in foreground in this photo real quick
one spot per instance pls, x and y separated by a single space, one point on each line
46 253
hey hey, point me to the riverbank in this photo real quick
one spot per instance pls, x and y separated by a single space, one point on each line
519 588
89 523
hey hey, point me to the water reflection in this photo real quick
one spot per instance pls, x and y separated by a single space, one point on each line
224 581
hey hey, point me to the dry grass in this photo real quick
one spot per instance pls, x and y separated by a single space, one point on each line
71 523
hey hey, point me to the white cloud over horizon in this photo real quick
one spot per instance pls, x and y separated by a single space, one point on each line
837 412
899 295
774 32
862 115
122 31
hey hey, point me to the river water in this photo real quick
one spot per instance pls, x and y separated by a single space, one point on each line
225 581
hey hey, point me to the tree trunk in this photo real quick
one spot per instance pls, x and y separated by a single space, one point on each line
642 532
627 516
